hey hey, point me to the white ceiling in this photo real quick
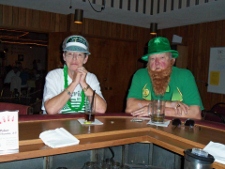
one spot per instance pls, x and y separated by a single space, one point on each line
203 11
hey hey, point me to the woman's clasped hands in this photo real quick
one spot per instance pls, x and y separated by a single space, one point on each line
80 75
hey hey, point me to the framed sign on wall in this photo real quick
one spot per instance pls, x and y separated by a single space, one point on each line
216 80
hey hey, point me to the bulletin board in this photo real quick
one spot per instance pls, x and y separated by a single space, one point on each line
216 75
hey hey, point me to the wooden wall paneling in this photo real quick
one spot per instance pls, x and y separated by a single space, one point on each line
205 95
97 29
15 16
192 44
53 25
85 26
183 32
197 59
104 29
124 32
7 16
35 22
113 67
200 63
202 73
54 49
222 33
112 30
70 22
45 20
1 15
60 23
98 62
219 31
91 27
189 37
121 70
181 61
193 58
117 31
22 20
212 97
28 19
142 36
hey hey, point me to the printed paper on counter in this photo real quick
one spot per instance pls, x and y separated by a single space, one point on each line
9 133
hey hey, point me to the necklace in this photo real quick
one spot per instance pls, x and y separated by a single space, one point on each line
65 71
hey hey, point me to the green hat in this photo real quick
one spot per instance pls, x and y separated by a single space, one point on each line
159 45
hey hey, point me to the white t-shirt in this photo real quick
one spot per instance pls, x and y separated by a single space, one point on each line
11 74
54 85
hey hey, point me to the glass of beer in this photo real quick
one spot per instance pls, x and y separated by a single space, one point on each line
89 114
157 111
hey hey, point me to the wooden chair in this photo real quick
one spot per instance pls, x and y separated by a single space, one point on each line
216 113
23 109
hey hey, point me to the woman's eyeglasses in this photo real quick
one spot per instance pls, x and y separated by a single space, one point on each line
189 122
72 55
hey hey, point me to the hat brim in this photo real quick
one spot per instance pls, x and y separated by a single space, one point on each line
174 54
77 49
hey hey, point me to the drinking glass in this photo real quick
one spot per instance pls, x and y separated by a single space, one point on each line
157 110
89 114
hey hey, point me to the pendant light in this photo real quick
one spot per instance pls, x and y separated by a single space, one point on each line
78 17
153 28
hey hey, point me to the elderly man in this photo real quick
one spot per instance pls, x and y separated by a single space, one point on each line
174 85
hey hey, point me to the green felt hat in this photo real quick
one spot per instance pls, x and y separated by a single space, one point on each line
159 45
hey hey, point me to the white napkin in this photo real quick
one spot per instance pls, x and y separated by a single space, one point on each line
164 124
217 150
96 122
58 138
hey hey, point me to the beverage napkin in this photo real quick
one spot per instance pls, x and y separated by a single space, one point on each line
217 150
164 124
58 138
96 122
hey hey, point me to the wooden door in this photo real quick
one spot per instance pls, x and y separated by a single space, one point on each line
114 64
112 61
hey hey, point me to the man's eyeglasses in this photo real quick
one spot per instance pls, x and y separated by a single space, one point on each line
189 122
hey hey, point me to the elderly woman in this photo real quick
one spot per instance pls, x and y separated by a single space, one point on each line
66 89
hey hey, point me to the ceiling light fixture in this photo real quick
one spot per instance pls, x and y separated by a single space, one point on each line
153 28
102 8
78 17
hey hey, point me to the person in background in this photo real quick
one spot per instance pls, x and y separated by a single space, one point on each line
24 75
39 67
65 89
35 64
13 80
160 78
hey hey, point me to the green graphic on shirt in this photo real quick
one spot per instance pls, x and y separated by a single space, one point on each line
176 94
75 102
146 93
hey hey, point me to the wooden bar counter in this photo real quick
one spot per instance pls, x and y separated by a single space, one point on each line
118 129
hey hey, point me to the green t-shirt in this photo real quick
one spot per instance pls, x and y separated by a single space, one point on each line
182 87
